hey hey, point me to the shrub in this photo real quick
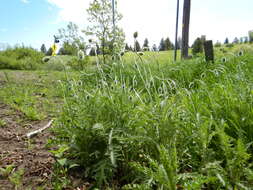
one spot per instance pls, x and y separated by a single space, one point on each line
20 58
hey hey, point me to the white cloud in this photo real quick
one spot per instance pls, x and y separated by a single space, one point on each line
74 10
25 1
156 19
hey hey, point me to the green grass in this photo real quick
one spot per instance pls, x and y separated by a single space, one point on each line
37 94
186 124
146 122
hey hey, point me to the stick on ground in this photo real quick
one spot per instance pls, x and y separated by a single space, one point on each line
34 133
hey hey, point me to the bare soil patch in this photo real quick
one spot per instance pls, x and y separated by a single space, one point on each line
30 155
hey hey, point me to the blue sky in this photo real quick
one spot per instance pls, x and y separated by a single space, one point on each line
34 22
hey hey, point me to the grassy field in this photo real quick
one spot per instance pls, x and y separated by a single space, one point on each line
140 123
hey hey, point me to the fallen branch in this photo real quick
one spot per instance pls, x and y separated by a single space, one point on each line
34 133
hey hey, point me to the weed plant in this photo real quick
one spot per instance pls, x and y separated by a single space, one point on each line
185 125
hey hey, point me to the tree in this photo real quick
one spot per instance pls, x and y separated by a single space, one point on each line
251 36
110 40
49 52
145 45
127 48
226 41
137 46
43 49
71 38
197 46
236 40
154 47
241 40
168 44
246 40
217 44
162 45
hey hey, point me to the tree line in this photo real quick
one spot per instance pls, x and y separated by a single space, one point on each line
108 39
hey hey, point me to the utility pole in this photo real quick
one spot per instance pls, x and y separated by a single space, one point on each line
185 31
113 17
176 43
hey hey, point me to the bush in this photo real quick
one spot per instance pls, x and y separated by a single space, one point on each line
78 64
197 46
20 58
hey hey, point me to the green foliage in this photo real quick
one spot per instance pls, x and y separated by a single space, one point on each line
110 39
162 45
197 46
20 58
146 45
166 126
79 64
2 123
43 49
168 44
137 46
72 40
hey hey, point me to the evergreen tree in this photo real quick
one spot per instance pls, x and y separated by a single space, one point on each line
43 49
154 47
226 41
145 45
197 46
241 40
92 52
236 40
168 44
127 48
246 40
137 46
49 52
162 45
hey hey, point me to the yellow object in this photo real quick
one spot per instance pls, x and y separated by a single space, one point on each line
54 48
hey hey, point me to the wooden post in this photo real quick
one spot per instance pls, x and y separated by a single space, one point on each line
209 53
176 43
185 30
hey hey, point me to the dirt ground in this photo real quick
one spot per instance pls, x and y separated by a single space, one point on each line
31 156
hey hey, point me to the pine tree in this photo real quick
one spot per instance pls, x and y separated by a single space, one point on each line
168 44
145 45
127 48
197 46
226 41
162 45
49 52
137 46
246 40
43 49
236 40
154 47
